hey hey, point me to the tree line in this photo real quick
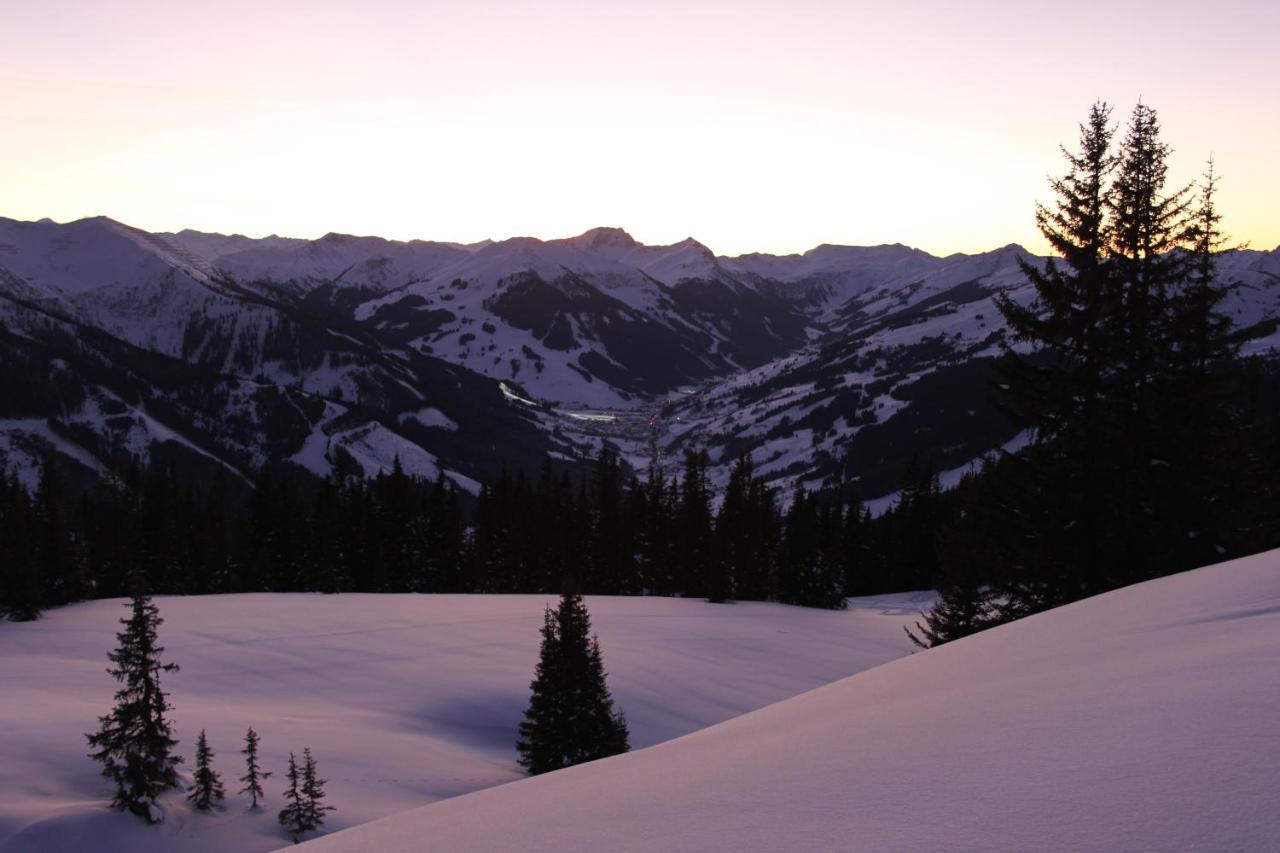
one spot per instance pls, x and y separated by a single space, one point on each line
149 530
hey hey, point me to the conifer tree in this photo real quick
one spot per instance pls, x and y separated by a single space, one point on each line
254 775
1061 391
312 793
1212 445
608 558
206 788
293 817
134 742
1149 228
570 718
693 551
56 564
21 585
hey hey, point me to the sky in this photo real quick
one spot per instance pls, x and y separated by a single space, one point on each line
749 125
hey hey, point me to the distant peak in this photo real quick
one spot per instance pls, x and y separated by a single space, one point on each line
601 238
692 244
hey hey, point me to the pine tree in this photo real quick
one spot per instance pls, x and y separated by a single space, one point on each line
207 786
312 792
57 565
1061 390
21 585
293 817
1150 226
135 743
570 718
254 775
1213 448
693 541
608 567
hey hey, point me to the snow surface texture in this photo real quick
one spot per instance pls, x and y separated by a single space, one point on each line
403 699
1144 719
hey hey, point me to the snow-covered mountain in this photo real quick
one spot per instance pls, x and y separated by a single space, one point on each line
1137 720
235 350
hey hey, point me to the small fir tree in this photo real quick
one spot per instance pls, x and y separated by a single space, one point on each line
254 775
135 743
570 718
207 788
303 811
312 793
293 816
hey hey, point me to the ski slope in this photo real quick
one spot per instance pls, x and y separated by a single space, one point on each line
1144 719
403 699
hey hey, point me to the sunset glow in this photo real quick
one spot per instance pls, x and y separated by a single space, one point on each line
757 126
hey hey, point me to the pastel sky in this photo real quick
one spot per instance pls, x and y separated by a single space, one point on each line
751 125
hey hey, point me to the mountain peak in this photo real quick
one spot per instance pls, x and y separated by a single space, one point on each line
603 238
693 245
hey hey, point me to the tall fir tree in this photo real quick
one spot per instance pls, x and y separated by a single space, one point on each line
1060 391
1150 228
570 718
206 788
254 775
135 741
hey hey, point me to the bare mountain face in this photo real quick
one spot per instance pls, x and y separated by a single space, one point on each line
225 353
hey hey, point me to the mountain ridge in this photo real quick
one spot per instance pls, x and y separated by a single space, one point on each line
831 366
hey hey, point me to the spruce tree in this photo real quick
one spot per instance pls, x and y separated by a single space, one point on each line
570 718
134 742
1212 444
21 584
693 542
1060 390
293 817
312 793
1150 226
254 775
206 788
608 563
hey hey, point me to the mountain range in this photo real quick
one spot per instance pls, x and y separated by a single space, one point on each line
225 353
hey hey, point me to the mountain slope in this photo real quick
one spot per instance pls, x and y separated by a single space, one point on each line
1138 720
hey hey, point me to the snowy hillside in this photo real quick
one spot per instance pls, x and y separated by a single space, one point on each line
1143 719
403 699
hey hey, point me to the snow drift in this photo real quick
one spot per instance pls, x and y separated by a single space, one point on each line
1144 719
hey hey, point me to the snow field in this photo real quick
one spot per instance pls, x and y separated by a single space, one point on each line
403 699
1143 719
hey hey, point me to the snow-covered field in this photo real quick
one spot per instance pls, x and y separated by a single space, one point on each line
404 700
1144 719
